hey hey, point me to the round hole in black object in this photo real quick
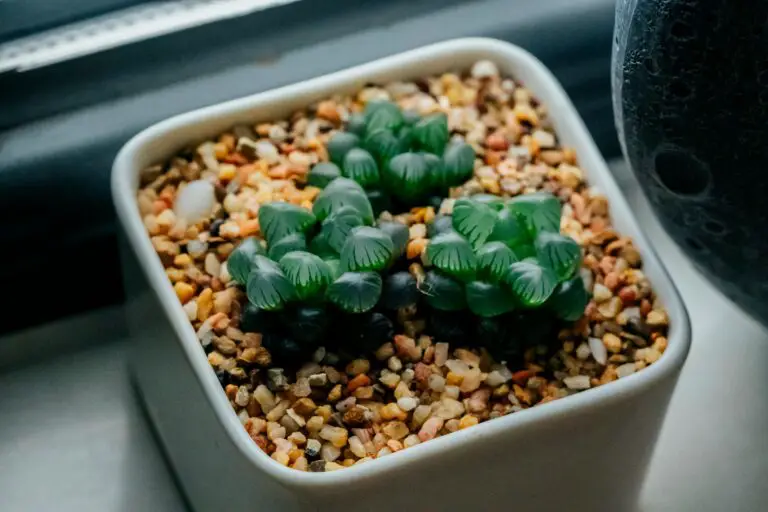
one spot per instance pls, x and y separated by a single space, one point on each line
681 173
714 227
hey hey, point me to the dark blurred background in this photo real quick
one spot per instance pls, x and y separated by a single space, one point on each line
63 118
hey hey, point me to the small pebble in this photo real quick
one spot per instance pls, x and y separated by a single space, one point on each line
407 403
625 370
577 382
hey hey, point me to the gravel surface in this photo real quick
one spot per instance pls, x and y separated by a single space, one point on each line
330 413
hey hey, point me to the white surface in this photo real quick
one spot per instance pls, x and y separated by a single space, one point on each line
590 426
71 424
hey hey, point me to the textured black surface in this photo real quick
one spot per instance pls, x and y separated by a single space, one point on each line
694 99
63 125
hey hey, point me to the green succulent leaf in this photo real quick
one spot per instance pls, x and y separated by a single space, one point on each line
278 219
494 259
340 144
474 220
342 192
434 168
380 201
366 248
383 144
308 274
443 292
400 291
242 257
292 242
531 283
406 139
452 253
407 176
411 117
431 133
382 114
322 174
359 165
319 246
267 287
334 266
458 164
569 300
356 124
488 299
398 232
510 229
539 211
355 292
558 252
440 224
495 202
337 226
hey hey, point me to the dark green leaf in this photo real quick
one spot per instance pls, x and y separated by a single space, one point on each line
452 253
443 292
406 139
322 174
560 253
570 300
411 117
539 211
241 259
356 124
359 165
434 168
268 288
400 291
441 224
458 164
474 220
337 226
307 324
334 265
355 292
278 219
407 176
308 274
382 114
494 259
510 229
380 201
431 133
488 300
292 242
342 192
339 145
383 144
366 248
531 283
319 246
398 232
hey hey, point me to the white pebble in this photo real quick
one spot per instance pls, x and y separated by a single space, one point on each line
625 370
411 440
407 403
356 447
494 379
583 351
267 151
243 416
329 453
242 396
598 350
436 382
190 308
484 69
577 382
264 396
452 392
195 201
441 353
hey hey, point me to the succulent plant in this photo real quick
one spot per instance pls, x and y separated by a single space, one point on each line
503 256
397 157
493 263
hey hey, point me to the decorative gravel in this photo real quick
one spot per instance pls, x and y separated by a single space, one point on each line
328 413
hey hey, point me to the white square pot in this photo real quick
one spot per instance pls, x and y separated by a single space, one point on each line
586 452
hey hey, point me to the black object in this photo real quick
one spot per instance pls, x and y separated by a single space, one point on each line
690 83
